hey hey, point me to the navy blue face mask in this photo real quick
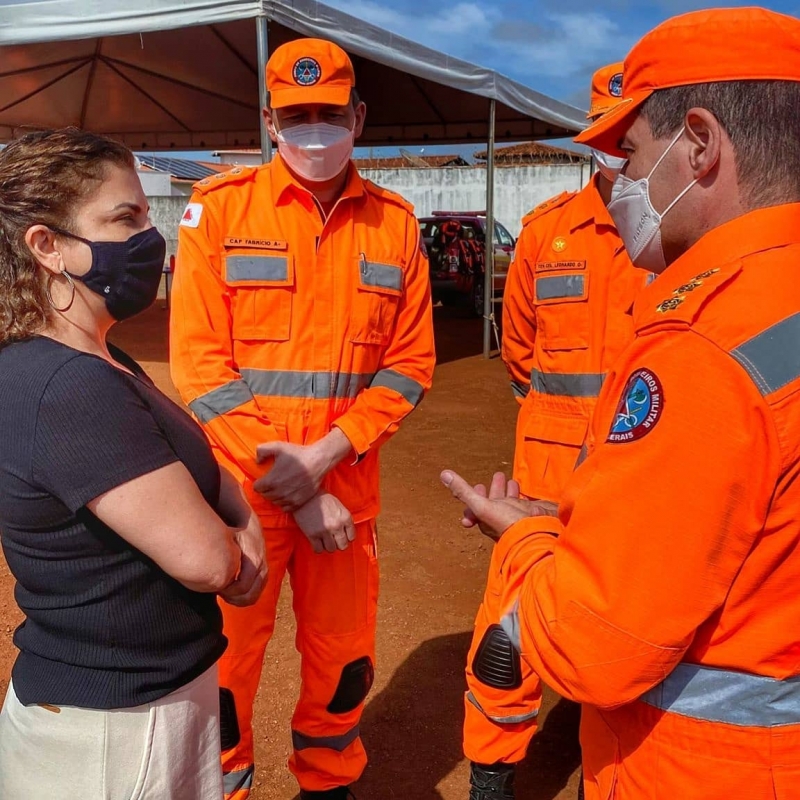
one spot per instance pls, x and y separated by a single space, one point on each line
125 274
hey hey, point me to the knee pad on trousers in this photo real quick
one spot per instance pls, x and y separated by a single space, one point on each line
354 685
497 662
229 735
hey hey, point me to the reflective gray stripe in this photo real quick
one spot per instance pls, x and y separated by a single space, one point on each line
559 286
520 389
772 359
317 385
237 780
389 379
384 275
256 268
338 743
510 624
734 698
220 401
567 384
511 719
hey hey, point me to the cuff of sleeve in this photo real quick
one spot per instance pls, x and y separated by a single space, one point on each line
523 530
358 441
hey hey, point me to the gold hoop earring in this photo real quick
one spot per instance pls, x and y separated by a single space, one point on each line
49 297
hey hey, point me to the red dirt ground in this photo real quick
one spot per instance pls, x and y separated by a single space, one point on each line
432 577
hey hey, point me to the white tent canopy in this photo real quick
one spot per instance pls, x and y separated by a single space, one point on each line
184 74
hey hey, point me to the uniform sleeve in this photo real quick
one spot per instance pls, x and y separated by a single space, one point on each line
519 318
94 433
201 349
406 369
656 529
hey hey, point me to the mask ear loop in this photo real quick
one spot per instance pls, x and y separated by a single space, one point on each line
655 166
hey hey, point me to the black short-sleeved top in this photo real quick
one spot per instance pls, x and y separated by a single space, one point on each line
105 626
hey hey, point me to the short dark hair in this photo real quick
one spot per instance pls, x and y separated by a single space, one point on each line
762 119
44 177
355 99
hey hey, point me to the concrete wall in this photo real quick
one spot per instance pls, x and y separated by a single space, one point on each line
517 191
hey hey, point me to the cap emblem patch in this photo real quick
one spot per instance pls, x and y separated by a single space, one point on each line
306 72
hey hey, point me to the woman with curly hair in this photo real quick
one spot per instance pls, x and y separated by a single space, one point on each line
116 522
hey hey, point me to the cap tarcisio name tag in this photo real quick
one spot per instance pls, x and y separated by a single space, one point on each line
258 244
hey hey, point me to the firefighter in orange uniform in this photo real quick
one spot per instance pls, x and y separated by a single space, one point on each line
301 337
566 318
664 596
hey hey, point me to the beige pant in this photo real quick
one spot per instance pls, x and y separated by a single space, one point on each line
166 750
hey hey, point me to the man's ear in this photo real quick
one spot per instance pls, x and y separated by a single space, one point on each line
705 136
270 120
361 118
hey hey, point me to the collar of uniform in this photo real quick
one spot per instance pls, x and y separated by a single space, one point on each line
590 208
754 232
284 183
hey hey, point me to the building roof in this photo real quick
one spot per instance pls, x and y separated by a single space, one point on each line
533 153
410 161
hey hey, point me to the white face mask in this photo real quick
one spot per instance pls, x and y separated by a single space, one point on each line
608 166
638 223
316 152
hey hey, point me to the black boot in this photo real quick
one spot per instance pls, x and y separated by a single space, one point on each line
491 782
339 793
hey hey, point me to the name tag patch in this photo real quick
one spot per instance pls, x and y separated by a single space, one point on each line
259 244
552 266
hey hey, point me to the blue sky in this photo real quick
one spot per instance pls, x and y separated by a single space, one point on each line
551 46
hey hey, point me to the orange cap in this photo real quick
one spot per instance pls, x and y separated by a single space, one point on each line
715 45
606 89
309 71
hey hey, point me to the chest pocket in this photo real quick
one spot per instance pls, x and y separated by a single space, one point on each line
262 289
379 289
562 311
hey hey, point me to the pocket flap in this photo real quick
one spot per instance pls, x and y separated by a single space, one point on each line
560 288
249 269
556 428
379 277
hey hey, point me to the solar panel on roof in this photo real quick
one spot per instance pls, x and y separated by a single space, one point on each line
180 168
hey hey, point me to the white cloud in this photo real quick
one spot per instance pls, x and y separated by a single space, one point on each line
560 45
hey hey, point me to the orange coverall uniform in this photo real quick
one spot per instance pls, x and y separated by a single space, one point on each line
664 598
566 318
284 325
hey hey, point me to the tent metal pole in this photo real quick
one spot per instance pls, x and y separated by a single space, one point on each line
262 37
488 284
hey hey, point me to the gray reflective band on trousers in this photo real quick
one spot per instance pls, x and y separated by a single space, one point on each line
559 286
221 400
290 383
256 268
511 719
772 358
238 780
567 384
520 389
384 275
338 743
733 698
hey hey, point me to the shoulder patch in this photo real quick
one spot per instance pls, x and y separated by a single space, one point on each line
387 194
547 206
639 408
235 175
191 215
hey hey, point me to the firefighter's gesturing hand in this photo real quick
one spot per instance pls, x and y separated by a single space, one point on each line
497 509
252 577
327 523
297 470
